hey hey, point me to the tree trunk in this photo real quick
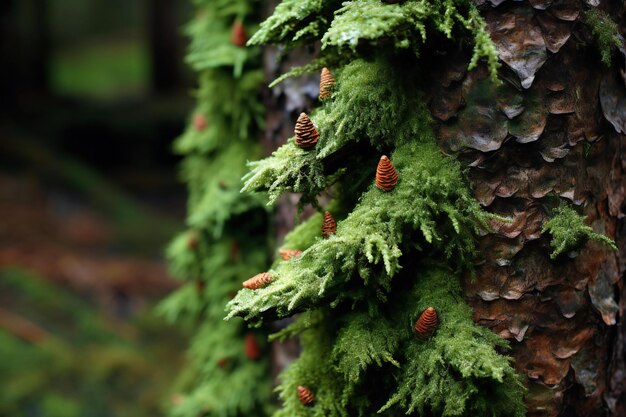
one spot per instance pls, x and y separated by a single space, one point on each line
543 136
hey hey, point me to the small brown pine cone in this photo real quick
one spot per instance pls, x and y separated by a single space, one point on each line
199 122
305 395
386 174
238 36
306 135
258 281
426 323
326 82
287 254
329 226
200 285
193 240
252 351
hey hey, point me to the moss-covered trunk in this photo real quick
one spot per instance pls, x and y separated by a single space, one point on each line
549 132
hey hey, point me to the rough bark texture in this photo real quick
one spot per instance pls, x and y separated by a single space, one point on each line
552 129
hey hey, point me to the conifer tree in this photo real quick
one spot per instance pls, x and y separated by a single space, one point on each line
228 372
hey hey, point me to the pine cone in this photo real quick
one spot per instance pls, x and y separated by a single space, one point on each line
326 82
238 36
305 133
258 281
193 240
386 174
427 322
329 226
287 254
252 351
199 122
305 396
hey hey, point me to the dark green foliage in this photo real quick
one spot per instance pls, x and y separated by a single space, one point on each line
344 27
431 204
605 32
227 237
569 231
451 374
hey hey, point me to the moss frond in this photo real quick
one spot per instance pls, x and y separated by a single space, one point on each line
288 169
605 32
569 231
227 120
295 20
458 371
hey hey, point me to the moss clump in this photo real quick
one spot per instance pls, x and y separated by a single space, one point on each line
344 27
605 32
361 362
569 231
431 205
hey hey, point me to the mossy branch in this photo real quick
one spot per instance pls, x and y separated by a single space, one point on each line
431 200
569 231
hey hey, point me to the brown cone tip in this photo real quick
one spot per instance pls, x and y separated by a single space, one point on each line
427 322
239 37
329 226
287 254
326 82
306 135
199 122
386 174
258 281
305 396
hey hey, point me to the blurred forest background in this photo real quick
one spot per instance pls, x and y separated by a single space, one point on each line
92 94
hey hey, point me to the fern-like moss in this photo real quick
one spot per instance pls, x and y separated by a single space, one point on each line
569 231
456 372
431 204
605 32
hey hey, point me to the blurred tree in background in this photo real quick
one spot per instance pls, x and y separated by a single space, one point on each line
89 198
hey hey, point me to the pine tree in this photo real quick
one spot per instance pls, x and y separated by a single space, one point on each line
228 371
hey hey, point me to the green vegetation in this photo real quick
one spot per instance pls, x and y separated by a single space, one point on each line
64 358
569 231
395 253
227 373
605 32
101 69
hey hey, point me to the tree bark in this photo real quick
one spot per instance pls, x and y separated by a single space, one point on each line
546 134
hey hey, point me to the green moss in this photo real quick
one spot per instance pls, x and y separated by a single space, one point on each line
296 20
458 371
236 115
229 229
344 27
431 205
360 361
569 231
605 32
361 290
